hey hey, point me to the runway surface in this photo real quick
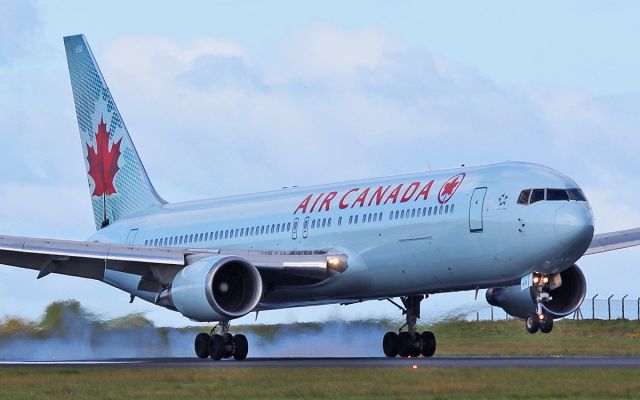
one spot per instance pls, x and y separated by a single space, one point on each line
437 362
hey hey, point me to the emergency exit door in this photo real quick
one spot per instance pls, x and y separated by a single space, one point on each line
476 210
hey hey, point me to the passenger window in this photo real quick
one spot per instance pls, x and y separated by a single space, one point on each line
355 220
339 221
402 214
328 222
380 216
536 195
146 242
350 219
446 209
440 210
324 222
429 212
375 217
396 214
288 226
557 194
313 224
451 209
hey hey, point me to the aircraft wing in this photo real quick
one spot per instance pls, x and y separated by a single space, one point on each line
157 266
614 240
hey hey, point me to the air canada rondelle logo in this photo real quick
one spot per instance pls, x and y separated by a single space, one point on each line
449 188
103 162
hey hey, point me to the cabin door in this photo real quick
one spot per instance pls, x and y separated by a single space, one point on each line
294 229
476 209
131 237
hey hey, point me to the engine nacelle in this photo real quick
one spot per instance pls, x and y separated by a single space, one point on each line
565 298
215 288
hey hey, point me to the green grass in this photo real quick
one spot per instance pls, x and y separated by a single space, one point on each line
318 383
569 338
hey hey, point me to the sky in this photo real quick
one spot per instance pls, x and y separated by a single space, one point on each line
227 97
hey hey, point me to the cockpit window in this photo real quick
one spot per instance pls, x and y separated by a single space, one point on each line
576 194
536 195
557 194
524 197
530 196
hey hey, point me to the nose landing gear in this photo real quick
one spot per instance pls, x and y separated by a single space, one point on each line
409 343
541 320
223 345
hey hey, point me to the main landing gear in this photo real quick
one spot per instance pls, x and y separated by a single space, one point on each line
223 345
541 320
409 343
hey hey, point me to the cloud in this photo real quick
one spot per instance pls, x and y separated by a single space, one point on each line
322 104
18 22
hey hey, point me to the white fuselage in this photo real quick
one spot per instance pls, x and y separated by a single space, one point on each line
411 234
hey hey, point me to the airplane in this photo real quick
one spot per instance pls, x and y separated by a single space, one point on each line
516 229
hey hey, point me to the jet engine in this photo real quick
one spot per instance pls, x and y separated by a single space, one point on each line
566 291
214 289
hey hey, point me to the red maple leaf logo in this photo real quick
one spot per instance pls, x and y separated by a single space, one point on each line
103 163
449 188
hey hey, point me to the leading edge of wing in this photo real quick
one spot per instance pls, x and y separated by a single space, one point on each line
609 241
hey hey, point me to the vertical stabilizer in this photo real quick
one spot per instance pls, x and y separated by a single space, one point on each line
118 182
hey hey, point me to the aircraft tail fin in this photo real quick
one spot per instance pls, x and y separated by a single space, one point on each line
118 182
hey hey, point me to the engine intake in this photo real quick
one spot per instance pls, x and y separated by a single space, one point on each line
565 298
216 288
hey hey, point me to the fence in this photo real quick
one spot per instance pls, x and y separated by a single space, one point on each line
601 307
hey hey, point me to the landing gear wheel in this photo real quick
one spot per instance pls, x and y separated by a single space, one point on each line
546 325
415 346
428 344
201 345
390 344
532 324
216 347
240 347
405 344
228 345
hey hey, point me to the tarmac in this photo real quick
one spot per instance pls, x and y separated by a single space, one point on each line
359 362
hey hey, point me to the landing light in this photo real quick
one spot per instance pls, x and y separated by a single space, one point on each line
536 279
337 262
545 279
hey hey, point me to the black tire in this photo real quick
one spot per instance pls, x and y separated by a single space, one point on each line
546 325
240 347
428 344
228 345
414 351
405 344
201 345
390 344
532 324
216 347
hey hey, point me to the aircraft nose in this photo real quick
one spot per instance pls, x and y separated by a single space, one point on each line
573 225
